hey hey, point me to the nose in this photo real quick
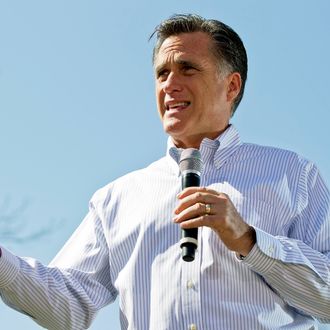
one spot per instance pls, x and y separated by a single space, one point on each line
172 83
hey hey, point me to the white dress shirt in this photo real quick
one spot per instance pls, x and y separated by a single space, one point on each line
128 245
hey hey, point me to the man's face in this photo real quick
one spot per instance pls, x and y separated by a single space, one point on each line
193 100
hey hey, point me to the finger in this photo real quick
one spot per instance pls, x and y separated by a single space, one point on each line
190 212
191 190
195 198
201 221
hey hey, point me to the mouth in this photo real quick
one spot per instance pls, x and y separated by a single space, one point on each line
180 105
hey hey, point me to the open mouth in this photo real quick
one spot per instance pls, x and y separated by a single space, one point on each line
177 105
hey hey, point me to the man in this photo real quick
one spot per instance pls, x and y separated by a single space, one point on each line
263 216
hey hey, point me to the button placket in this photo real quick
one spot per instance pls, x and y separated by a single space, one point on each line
190 292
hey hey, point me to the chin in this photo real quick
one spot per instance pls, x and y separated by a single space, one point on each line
175 130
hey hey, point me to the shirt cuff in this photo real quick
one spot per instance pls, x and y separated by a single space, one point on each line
9 268
264 254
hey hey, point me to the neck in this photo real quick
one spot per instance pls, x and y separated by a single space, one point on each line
195 141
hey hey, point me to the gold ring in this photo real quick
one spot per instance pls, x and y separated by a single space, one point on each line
207 209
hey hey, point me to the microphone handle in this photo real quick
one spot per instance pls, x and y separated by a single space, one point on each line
189 236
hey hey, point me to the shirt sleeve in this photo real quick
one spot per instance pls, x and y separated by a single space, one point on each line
67 293
298 267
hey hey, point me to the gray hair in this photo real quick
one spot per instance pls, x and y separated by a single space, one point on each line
228 47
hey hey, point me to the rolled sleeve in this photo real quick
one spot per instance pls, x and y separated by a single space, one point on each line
9 268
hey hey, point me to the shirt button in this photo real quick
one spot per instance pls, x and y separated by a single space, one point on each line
192 326
190 284
271 250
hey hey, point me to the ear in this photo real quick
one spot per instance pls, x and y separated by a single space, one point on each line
234 86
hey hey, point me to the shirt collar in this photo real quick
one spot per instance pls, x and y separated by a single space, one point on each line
215 151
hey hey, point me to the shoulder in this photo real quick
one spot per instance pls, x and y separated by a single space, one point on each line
267 161
271 154
136 178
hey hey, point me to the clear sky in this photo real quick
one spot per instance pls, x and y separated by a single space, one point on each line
77 105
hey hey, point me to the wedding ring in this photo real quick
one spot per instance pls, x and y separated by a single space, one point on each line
207 209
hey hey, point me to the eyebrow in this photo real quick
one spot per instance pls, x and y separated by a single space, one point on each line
160 67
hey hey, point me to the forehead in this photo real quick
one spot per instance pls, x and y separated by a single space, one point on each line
195 45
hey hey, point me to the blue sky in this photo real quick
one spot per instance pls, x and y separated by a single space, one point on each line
77 105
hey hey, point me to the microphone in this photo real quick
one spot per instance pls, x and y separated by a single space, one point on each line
190 167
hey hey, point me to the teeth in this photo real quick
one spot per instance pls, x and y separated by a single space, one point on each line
179 104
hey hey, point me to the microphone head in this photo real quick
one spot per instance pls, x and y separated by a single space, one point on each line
191 161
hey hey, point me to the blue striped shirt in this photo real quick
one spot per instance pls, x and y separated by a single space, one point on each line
128 246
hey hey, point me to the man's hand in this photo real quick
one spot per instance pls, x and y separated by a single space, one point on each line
222 217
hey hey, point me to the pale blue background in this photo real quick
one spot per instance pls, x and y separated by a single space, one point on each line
77 104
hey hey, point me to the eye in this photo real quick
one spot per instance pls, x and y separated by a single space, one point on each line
162 74
188 69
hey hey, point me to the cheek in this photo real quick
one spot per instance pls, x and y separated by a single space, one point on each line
160 102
